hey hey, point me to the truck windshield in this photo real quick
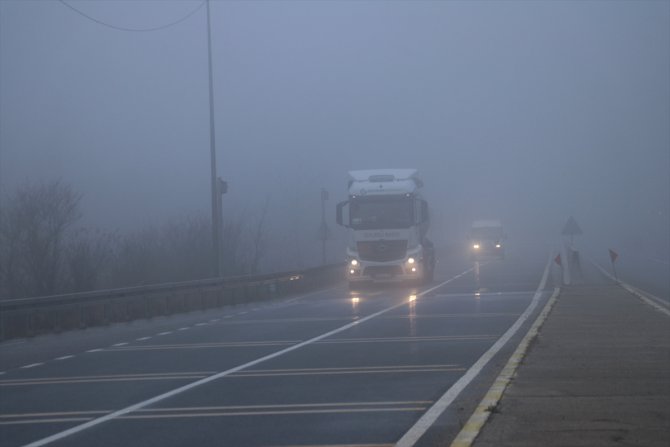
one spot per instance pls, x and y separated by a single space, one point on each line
375 213
493 233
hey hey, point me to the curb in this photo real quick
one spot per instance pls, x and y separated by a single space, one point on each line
488 404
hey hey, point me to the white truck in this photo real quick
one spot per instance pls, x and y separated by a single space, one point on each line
388 221
486 239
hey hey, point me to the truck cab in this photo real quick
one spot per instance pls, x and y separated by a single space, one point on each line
388 220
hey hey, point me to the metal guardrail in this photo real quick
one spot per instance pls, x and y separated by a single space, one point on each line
28 317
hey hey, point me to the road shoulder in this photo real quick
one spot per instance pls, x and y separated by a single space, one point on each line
597 374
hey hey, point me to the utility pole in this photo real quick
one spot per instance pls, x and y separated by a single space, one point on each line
323 230
216 204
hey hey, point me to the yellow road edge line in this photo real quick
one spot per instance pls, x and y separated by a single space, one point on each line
224 414
63 414
480 416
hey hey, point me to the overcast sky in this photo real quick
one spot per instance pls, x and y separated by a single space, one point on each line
530 111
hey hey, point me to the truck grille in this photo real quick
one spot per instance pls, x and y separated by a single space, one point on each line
382 251
383 270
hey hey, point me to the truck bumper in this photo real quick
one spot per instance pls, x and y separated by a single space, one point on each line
385 273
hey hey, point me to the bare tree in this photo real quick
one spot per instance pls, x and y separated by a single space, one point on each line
88 256
35 224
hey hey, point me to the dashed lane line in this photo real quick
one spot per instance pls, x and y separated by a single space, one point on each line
132 408
64 357
32 365
214 320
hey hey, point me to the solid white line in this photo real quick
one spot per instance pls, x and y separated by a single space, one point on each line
428 419
474 425
32 365
654 301
65 357
174 392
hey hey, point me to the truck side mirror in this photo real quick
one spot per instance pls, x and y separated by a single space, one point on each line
338 215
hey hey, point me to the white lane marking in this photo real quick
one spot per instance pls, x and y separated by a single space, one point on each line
481 414
120 344
164 333
201 324
142 338
32 365
2 373
183 328
214 320
428 419
654 301
182 389
95 350
65 357
243 313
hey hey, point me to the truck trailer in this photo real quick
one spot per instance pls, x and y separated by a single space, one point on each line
388 221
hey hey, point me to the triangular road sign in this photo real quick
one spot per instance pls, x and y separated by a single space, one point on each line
571 228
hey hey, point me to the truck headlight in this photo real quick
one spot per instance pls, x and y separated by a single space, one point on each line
475 246
411 260
354 262
498 245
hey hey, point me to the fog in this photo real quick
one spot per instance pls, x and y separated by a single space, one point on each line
530 112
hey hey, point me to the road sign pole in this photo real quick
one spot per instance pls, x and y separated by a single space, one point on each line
613 256
616 277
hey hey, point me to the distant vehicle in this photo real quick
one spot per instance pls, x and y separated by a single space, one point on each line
388 219
486 239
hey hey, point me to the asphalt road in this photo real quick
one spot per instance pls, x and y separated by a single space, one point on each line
331 368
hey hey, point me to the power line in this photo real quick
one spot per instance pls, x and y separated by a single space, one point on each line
141 30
